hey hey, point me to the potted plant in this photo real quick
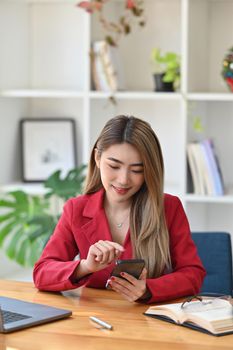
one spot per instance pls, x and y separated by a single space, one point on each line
27 221
166 68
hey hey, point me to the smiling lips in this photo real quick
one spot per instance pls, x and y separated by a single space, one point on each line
121 190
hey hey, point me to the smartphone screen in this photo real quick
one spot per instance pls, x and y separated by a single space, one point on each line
133 267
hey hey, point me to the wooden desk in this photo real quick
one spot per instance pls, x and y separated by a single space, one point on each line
132 330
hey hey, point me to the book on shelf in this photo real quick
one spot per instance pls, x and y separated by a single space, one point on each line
214 166
105 67
215 316
204 168
207 171
193 155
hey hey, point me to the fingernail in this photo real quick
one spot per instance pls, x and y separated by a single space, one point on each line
122 274
113 278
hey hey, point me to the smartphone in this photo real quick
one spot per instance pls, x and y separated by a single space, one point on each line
133 267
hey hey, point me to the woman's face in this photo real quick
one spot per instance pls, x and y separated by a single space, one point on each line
121 171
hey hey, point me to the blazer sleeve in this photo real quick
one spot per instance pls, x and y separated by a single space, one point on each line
187 272
54 270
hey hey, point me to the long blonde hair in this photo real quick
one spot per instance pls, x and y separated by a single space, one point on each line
148 229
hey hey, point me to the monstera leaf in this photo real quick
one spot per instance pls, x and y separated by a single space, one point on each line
26 221
25 226
68 187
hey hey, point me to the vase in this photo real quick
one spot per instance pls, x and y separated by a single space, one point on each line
161 85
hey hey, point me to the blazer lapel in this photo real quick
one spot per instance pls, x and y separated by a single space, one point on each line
97 227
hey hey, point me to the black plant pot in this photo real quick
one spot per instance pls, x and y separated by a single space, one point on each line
161 85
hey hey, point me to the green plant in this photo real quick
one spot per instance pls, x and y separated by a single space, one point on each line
27 221
167 64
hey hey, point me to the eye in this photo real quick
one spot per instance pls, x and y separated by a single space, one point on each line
113 167
137 171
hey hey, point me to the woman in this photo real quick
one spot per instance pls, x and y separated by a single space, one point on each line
123 214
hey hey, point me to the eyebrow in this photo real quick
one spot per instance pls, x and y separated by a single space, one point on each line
120 162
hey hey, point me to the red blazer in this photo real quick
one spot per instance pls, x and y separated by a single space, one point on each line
84 222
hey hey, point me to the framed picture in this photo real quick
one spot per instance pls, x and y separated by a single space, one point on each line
47 145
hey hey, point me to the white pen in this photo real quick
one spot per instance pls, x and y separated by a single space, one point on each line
101 323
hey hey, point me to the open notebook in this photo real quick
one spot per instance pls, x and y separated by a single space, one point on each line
17 314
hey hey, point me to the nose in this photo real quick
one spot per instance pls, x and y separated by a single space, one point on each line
123 177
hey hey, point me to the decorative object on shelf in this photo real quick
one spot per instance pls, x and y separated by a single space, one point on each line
196 120
197 124
166 70
28 222
227 70
103 70
106 68
48 144
133 9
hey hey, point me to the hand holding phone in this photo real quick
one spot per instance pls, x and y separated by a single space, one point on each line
133 267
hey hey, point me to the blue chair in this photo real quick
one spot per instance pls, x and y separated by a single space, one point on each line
214 249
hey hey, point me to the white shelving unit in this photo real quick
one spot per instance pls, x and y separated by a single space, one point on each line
45 72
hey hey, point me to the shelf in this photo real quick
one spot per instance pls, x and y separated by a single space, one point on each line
142 95
205 96
34 93
148 95
29 188
192 198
